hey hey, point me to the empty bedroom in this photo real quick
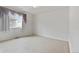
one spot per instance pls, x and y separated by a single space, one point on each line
40 29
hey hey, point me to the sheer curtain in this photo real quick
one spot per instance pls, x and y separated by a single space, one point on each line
10 20
3 19
15 21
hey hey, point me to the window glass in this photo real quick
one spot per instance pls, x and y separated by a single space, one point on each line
10 19
15 20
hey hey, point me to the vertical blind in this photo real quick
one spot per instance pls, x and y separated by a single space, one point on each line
10 19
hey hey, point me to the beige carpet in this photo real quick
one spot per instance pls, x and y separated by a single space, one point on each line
34 44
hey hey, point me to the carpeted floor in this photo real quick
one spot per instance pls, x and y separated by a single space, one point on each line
34 44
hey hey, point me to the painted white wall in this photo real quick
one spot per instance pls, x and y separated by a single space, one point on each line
74 29
52 23
27 30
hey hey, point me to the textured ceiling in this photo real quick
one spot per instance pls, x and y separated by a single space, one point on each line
35 10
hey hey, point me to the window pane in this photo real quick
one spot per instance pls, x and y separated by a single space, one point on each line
10 19
15 20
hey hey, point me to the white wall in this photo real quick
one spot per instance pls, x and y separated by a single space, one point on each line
52 23
74 29
27 30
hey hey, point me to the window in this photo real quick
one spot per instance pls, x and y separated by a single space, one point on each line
15 20
10 19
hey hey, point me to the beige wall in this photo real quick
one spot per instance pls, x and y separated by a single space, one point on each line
74 28
52 23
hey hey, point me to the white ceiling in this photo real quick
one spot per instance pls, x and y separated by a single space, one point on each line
22 9
35 10
42 9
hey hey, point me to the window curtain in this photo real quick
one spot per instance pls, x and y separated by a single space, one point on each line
10 20
15 21
24 18
3 19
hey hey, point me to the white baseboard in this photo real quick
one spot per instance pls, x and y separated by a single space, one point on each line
57 38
